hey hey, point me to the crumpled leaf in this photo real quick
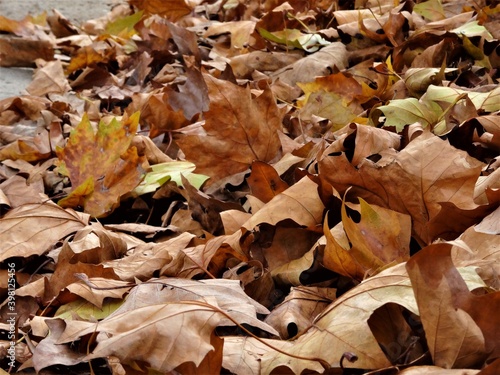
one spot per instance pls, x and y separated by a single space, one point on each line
295 314
461 328
380 238
101 166
176 315
335 332
240 31
423 190
242 354
49 353
49 79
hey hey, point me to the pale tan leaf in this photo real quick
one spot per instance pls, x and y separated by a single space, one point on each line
242 354
319 63
296 313
49 79
32 229
300 203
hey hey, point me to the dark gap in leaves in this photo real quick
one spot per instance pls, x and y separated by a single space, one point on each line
292 329
414 246
353 214
374 157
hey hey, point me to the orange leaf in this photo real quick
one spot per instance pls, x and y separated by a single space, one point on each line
171 9
264 181
102 167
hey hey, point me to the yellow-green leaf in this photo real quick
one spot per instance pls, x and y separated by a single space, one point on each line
169 171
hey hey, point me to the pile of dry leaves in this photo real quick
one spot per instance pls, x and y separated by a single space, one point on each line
253 187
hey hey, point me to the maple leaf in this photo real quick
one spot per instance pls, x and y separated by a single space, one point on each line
32 228
101 166
239 129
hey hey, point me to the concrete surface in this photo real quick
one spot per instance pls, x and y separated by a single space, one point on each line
14 80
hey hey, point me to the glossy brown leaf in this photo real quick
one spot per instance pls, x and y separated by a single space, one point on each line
264 181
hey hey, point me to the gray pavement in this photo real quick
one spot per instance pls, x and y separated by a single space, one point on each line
14 80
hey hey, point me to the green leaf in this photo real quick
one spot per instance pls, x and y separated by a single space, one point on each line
169 171
86 310
432 10
402 112
486 101
473 28
124 27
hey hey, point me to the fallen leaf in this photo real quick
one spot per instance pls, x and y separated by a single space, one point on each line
319 63
171 9
428 200
101 166
49 353
42 224
49 79
335 331
449 310
264 181
239 129
295 314
300 203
